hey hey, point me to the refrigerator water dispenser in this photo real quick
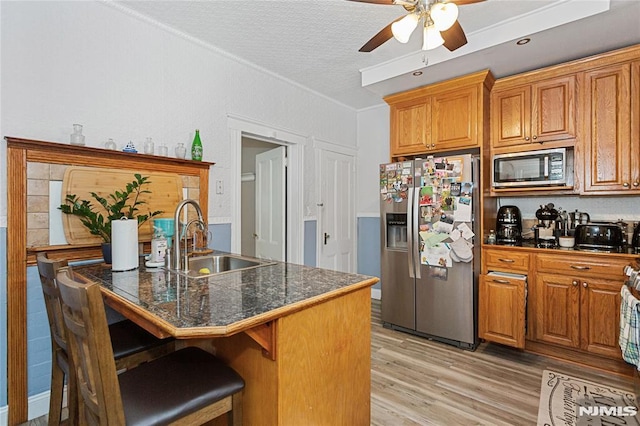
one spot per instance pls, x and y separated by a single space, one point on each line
396 230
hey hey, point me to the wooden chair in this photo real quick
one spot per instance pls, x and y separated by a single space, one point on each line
131 344
187 387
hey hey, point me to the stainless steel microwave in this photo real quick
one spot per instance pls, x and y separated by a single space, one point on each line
546 167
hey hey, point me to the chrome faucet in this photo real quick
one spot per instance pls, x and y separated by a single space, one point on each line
180 233
203 228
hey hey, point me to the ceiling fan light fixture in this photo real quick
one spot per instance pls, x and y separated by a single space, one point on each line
444 15
403 28
431 38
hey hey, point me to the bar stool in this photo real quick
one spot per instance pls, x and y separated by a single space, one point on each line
187 387
130 343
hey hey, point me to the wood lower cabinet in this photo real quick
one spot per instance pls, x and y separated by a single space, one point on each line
502 310
599 330
557 310
569 305
530 115
577 302
502 299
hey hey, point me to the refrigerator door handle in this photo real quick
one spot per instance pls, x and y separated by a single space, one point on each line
410 233
415 239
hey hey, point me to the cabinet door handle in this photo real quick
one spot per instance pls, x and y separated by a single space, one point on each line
626 184
535 137
580 268
495 280
574 282
526 138
585 285
506 260
636 184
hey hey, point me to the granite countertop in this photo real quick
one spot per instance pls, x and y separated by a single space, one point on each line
225 303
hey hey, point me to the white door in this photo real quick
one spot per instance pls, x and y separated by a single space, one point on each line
336 212
271 204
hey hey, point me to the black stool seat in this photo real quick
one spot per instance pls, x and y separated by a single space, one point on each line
197 379
128 338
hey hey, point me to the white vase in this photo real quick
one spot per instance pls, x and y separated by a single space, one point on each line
124 245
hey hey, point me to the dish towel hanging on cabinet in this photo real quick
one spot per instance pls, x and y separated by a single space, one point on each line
629 327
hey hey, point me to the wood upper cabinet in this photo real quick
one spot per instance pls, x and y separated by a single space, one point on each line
534 113
455 120
609 149
410 126
441 117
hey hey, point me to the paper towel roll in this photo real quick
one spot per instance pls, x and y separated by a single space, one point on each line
124 244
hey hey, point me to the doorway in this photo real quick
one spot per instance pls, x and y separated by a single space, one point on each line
263 199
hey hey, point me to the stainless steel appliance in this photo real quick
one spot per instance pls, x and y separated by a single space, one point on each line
546 167
599 236
509 225
577 218
429 261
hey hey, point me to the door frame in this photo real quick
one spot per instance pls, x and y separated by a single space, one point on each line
295 143
320 146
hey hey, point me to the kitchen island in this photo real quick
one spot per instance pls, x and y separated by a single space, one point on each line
299 336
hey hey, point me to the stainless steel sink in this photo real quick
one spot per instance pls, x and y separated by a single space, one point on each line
206 266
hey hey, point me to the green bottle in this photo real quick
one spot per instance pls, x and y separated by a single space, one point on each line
196 147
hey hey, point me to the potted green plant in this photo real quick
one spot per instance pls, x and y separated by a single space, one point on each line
115 206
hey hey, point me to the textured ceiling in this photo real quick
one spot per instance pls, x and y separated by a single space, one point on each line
315 43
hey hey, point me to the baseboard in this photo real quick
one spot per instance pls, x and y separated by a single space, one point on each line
376 293
38 406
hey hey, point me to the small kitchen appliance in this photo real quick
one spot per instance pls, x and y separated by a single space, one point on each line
576 218
509 226
599 236
544 231
635 240
546 167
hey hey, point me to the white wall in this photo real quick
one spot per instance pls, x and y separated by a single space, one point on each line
125 78
122 77
373 150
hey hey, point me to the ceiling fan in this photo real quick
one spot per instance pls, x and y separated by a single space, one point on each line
439 23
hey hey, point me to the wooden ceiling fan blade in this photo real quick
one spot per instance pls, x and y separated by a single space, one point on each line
390 2
379 39
454 37
463 2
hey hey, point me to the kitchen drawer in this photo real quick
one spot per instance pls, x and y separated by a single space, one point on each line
506 261
583 264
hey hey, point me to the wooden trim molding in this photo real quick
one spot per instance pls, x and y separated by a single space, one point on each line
19 153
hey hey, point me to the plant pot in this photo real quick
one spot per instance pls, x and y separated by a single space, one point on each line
106 253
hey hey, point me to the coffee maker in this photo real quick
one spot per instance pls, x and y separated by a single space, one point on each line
509 226
544 234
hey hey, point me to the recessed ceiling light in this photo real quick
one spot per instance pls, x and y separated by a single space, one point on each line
523 41
417 73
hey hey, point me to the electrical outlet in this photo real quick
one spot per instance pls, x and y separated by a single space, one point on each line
219 187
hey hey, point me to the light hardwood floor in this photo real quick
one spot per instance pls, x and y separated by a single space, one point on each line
415 381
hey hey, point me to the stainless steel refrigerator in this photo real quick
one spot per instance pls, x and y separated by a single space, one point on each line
430 251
